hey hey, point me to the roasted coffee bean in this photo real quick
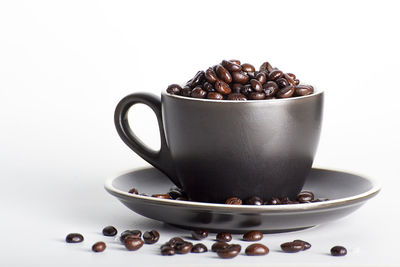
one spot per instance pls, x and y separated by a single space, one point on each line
236 87
291 75
274 201
215 96
162 196
219 245
197 79
183 247
174 89
231 66
222 88
257 250
282 82
254 201
199 234
133 243
210 75
223 74
175 240
270 88
275 74
248 67
236 97
338 251
99 246
208 87
305 243
233 201
296 82
266 67
252 75
261 77
167 251
74 238
230 251
256 95
305 197
292 247
246 89
289 79
235 61
186 91
285 92
110 231
240 77
253 236
130 233
198 92
223 237
199 248
256 85
151 237
301 90
133 191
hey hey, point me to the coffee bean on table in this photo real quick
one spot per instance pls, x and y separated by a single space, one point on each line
199 248
167 251
199 234
133 191
231 66
292 247
223 237
133 243
99 247
174 89
175 240
210 75
338 251
198 92
305 243
254 201
229 252
183 247
253 236
130 233
285 92
233 201
256 250
219 245
215 96
110 231
74 238
151 237
223 74
222 87
248 67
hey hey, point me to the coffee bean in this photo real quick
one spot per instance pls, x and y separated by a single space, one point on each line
130 233
197 79
302 90
291 75
224 237
99 247
199 234
167 251
274 201
233 201
133 243
240 77
275 74
305 243
257 95
235 61
256 85
256 250
198 92
162 196
236 87
338 251
74 238
282 82
254 201
266 67
292 247
186 91
223 74
208 87
110 231
305 197
237 97
289 79
246 89
199 248
174 89
285 92
151 237
231 66
133 191
222 88
210 75
230 251
219 245
296 82
248 67
215 96
270 88
183 247
173 241
253 236
261 77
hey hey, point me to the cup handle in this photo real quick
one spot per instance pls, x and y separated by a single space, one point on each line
160 159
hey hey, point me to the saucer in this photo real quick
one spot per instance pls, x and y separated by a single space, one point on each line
346 193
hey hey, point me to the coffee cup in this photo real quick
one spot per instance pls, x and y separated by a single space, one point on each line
216 149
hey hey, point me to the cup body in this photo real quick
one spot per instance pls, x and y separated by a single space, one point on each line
259 148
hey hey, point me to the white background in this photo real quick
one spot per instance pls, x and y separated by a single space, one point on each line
64 65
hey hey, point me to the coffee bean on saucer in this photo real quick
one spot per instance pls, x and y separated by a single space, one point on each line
273 201
110 231
199 248
174 89
233 201
74 238
199 234
162 196
151 237
305 197
292 247
219 245
254 201
167 251
256 250
99 247
338 251
133 191
253 236
229 252
130 233
224 237
183 247
305 243
285 200
174 193
133 243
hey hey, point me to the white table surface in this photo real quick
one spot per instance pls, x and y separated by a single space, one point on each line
64 67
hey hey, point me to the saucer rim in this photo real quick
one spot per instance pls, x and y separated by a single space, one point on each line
375 189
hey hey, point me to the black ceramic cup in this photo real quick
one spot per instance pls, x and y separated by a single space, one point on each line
218 149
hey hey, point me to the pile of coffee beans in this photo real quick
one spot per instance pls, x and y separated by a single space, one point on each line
232 80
